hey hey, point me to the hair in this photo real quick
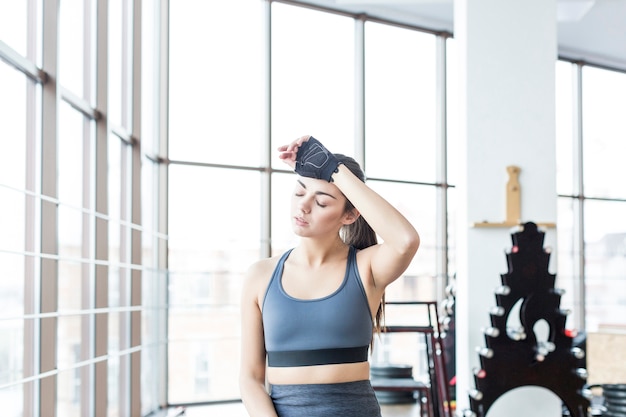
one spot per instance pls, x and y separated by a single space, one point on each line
360 234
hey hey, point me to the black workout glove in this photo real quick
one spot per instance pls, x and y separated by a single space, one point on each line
313 160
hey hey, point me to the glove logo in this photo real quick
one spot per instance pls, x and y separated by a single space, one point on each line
315 156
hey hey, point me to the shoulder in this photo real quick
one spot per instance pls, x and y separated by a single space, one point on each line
262 267
258 275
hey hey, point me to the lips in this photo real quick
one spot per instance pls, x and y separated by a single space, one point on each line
300 221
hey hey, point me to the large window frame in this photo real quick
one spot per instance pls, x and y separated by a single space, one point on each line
69 273
577 248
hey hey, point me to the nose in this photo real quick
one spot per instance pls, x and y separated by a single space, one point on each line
304 205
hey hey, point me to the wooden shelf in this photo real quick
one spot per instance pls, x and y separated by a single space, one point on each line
513 205
487 224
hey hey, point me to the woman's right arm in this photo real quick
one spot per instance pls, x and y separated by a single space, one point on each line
252 372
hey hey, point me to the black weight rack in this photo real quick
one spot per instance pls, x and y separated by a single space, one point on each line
435 390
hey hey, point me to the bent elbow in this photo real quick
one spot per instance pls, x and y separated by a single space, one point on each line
411 244
415 243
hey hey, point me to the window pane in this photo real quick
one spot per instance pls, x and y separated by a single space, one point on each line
216 81
150 71
119 239
13 398
12 220
605 265
11 330
149 212
604 132
119 35
70 145
565 140
114 376
13 124
214 225
13 25
70 339
70 180
312 78
71 45
400 103
417 204
153 319
70 285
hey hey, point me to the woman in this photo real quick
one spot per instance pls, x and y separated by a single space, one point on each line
308 315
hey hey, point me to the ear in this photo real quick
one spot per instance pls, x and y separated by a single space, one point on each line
351 216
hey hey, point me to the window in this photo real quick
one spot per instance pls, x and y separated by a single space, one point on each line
209 250
400 101
218 204
591 230
312 79
216 79
603 144
73 237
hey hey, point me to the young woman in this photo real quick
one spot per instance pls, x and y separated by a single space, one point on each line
308 315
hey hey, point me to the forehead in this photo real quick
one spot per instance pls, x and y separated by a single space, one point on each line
318 186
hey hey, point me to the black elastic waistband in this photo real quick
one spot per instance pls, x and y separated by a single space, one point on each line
317 356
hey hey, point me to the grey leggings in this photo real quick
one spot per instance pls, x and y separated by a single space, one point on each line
348 399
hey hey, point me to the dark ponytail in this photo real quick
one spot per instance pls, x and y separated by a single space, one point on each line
360 234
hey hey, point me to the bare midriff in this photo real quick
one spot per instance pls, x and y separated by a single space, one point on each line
319 374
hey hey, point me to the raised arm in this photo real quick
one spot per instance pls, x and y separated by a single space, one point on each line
400 240
387 260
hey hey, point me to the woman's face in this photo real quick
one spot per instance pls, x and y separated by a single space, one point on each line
317 208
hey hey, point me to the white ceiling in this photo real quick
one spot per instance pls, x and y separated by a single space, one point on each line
588 30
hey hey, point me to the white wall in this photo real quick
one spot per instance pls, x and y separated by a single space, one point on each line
508 51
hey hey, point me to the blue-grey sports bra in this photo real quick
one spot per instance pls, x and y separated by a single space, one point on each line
333 329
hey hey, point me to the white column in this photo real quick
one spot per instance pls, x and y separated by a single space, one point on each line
507 54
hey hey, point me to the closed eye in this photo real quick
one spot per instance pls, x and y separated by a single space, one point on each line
322 205
301 191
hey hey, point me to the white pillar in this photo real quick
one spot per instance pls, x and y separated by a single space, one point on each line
507 55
